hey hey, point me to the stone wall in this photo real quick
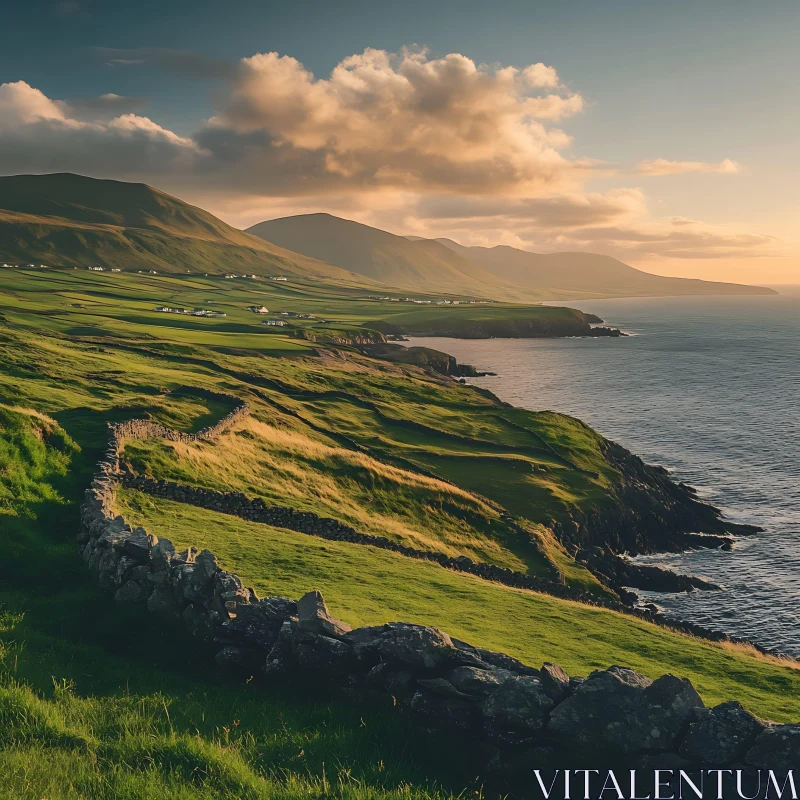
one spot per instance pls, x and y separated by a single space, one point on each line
520 716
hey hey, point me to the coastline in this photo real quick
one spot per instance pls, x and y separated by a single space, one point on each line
623 573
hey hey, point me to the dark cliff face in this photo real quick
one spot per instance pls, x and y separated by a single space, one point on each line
651 514
521 328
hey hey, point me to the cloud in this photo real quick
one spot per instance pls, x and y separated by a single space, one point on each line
562 211
660 166
398 121
38 134
434 146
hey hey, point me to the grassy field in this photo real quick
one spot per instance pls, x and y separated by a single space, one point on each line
367 586
111 704
95 702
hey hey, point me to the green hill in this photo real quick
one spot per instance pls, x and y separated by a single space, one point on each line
579 275
421 266
74 221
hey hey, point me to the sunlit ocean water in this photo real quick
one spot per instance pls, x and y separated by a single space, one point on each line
710 389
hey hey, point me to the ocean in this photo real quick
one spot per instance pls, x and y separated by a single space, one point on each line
710 389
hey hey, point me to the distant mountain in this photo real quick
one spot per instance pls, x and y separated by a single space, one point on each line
423 266
70 220
581 274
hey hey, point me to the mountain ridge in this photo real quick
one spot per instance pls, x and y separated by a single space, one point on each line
394 260
589 272
76 221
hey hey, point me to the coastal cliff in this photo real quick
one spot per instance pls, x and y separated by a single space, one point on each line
547 322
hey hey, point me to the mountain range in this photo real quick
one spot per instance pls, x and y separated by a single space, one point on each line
498 272
75 221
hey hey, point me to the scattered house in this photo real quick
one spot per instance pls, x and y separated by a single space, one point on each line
231 275
9 266
115 269
152 272
277 278
163 309
258 309
96 269
307 316
276 323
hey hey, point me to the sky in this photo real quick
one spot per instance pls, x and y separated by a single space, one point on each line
662 133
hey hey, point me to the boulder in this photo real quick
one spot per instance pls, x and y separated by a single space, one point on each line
257 625
619 709
776 747
417 646
199 622
517 705
443 688
280 659
555 681
162 554
721 735
313 616
163 603
139 544
130 592
478 681
324 655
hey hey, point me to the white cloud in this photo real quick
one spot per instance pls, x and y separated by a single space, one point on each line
38 134
660 166
398 121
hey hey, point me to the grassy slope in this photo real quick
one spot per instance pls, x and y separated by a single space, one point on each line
366 586
112 360
95 702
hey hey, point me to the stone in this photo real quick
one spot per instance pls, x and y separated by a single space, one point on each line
624 711
162 602
257 624
206 563
324 655
313 616
519 704
130 592
473 680
199 622
418 646
229 588
443 688
162 554
479 657
280 659
776 747
721 735
555 682
139 544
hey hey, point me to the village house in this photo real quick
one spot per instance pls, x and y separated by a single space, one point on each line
277 323
258 309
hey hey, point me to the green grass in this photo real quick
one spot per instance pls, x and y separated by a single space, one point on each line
367 586
97 701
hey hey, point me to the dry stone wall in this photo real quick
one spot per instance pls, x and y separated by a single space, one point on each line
522 717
